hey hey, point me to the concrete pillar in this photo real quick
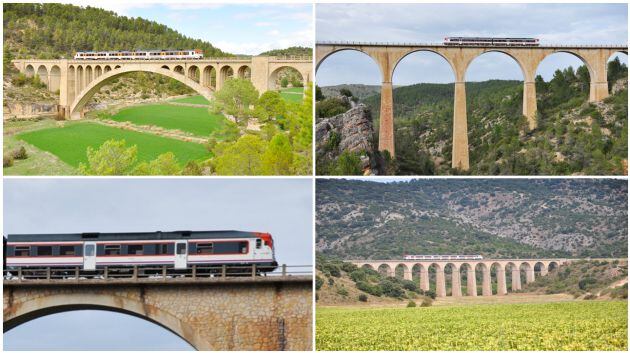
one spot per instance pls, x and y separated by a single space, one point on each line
407 274
516 279
486 285
598 91
440 284
456 283
424 278
529 275
501 285
460 129
529 103
471 282
544 270
386 127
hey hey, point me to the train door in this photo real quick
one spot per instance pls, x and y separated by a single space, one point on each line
89 255
181 254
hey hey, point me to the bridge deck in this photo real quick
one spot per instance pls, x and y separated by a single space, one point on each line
442 45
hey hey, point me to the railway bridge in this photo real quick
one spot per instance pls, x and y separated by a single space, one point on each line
388 55
78 80
222 313
519 270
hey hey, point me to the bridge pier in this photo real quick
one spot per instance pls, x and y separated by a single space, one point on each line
424 278
501 285
516 279
529 103
471 282
486 285
529 274
440 285
460 129
386 125
456 285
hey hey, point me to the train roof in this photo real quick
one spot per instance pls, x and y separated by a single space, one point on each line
182 234
511 38
134 50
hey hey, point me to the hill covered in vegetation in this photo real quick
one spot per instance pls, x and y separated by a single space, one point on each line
495 218
289 52
573 136
53 31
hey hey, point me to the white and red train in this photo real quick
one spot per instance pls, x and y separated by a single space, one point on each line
490 41
177 250
443 257
179 54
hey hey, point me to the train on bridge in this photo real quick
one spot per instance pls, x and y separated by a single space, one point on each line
178 54
443 257
178 251
490 41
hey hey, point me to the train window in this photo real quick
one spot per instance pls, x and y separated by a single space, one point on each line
204 248
112 249
242 247
161 249
181 249
258 243
44 250
67 250
22 251
89 250
134 249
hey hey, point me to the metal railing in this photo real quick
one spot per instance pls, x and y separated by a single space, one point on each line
292 58
405 44
157 272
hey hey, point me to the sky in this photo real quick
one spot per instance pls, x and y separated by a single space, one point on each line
234 28
430 23
282 207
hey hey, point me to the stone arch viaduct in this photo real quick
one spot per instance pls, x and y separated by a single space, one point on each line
262 313
388 56
420 269
78 80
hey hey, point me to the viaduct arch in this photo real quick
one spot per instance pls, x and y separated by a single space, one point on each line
388 55
78 80
267 313
519 270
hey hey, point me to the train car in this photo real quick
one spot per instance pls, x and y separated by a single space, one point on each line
179 54
489 41
177 250
443 257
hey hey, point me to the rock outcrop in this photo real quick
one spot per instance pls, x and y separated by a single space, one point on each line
351 131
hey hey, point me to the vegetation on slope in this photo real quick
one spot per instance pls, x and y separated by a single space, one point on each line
494 218
290 51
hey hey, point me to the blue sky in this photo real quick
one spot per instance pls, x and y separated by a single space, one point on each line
413 23
282 207
234 28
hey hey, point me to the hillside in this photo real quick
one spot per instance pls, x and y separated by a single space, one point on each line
359 91
289 52
586 279
573 137
495 218
52 31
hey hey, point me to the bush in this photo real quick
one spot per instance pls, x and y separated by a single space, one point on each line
7 161
369 289
426 302
19 153
331 281
363 297
430 293
590 296
358 276
319 282
342 291
284 82
411 304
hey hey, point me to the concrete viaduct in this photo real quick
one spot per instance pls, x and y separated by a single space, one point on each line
78 80
387 56
212 314
420 268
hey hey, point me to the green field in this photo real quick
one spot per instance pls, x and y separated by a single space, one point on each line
293 94
197 121
70 142
585 325
192 100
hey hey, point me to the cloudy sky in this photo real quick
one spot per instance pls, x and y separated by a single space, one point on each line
413 23
282 207
234 28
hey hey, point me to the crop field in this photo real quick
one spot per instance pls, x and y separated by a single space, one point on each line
192 100
70 142
587 325
195 120
293 94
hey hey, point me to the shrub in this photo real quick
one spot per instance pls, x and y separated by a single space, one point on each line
430 293
342 291
590 296
319 282
363 297
19 153
331 281
284 82
7 161
426 302
358 276
411 304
